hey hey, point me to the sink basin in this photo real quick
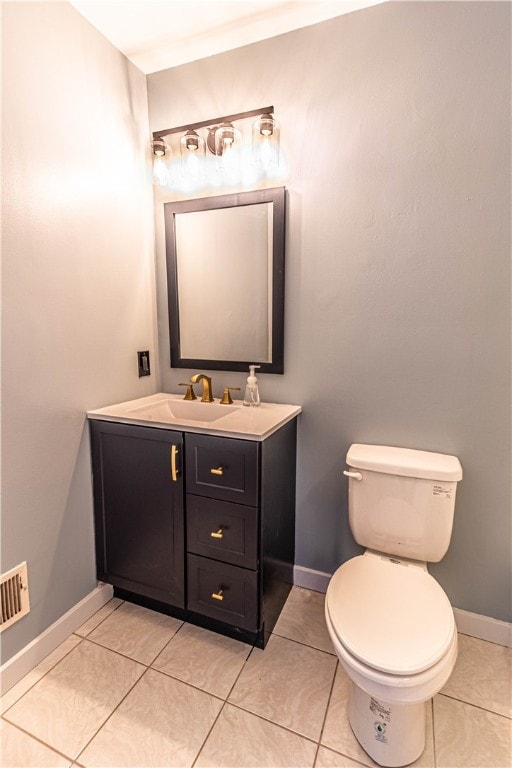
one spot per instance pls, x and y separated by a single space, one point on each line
167 409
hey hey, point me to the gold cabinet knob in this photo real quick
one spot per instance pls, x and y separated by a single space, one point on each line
217 471
218 595
217 534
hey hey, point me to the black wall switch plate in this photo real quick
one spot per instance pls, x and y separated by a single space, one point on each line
143 361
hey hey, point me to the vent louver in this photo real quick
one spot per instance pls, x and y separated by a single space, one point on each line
14 594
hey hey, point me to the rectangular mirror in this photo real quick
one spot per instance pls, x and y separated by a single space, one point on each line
225 278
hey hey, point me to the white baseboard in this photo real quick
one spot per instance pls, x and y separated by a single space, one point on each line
483 627
473 624
26 659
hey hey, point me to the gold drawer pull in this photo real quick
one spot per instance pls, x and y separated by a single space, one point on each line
218 595
217 471
217 534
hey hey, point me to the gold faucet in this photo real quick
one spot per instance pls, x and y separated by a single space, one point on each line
207 386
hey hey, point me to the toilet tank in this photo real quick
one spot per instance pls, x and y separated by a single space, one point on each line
402 501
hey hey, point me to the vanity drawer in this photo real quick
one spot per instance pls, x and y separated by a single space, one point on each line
222 468
222 530
235 590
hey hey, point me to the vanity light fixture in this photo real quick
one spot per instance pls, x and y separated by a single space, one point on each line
223 140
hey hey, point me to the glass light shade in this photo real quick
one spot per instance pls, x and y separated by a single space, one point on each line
228 145
161 157
192 150
265 142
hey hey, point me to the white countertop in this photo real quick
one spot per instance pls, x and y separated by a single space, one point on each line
236 421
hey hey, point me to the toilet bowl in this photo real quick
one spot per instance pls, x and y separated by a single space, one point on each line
393 630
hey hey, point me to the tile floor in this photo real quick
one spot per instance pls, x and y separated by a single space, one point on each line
134 688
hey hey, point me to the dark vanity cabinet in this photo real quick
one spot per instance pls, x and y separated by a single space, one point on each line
203 524
138 509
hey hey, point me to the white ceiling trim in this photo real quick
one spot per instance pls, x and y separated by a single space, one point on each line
158 34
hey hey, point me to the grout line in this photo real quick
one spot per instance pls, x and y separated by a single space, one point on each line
272 722
184 682
208 734
81 639
301 642
119 653
225 701
167 644
49 746
434 748
111 714
319 743
475 706
40 741
114 609
240 672
352 759
124 655
304 645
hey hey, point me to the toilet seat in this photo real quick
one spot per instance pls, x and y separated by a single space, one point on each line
391 617
401 689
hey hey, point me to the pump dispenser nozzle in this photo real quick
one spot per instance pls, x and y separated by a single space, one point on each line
252 395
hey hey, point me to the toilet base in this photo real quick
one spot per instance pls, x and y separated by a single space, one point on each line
392 734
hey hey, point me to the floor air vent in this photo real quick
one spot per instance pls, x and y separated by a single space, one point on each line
14 592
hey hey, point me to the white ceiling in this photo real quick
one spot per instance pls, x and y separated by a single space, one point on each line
157 34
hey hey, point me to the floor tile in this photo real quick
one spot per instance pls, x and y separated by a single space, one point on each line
469 737
287 683
136 632
162 722
98 617
69 704
326 758
482 675
338 735
17 750
204 659
242 740
303 619
30 679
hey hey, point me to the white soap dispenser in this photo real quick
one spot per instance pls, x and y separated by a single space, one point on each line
252 395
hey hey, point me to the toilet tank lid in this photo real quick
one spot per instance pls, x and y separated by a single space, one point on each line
406 462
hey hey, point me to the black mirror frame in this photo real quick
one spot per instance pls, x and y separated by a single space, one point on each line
277 196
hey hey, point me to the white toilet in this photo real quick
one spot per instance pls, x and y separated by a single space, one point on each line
390 622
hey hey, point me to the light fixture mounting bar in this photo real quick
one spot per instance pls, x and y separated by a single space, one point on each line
214 121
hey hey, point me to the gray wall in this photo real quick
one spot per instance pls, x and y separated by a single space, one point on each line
78 294
396 124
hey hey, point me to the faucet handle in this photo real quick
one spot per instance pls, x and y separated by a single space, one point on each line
190 394
226 397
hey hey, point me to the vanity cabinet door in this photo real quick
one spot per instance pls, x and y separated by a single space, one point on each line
139 521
